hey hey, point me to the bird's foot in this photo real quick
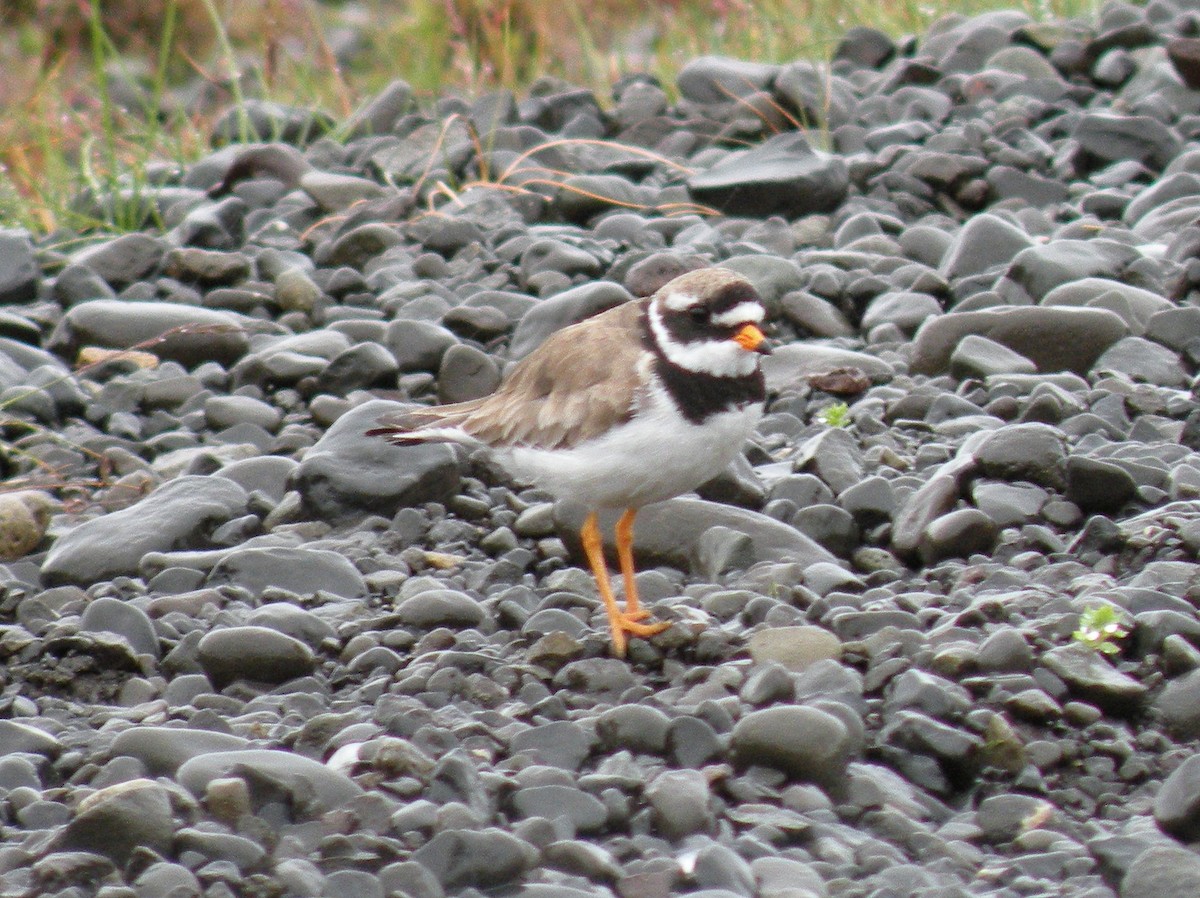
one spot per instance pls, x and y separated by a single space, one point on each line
625 625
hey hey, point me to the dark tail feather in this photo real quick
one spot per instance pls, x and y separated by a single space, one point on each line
397 436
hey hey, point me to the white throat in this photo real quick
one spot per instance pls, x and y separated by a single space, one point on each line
721 358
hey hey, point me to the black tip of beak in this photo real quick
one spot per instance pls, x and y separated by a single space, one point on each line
766 347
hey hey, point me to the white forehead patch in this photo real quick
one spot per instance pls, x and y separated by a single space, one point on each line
740 314
678 302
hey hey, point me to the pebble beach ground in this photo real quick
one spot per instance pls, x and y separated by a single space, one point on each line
248 651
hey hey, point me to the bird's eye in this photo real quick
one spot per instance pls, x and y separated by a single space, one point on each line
699 314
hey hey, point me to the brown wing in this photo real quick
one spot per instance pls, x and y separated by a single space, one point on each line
580 382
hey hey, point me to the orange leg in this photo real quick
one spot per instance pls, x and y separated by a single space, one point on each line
619 622
624 533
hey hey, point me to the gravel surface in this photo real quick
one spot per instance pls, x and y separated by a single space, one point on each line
248 651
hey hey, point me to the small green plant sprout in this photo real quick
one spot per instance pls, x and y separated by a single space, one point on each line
836 415
1101 628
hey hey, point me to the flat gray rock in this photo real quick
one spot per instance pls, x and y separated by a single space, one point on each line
784 175
178 515
1054 339
313 788
189 335
347 472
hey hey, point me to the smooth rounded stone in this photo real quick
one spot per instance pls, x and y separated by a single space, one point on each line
1033 452
1174 328
359 883
117 820
785 877
1135 305
227 411
346 472
190 335
977 356
78 283
817 316
266 474
18 771
295 291
110 615
1104 138
548 258
481 858
559 743
586 813
783 175
1005 650
358 246
293 621
824 578
832 455
928 693
795 648
409 878
803 742
24 517
313 788
561 310
1179 705
440 608
380 113
719 79
359 367
581 197
334 192
905 309
1043 267
19 269
260 120
933 499
583 858
692 742
833 528
466 373
638 728
418 345
1177 804
25 738
1092 678
1008 504
680 803
303 571
166 878
164 749
984 242
767 684
179 514
1004 817
1054 338
206 266
122 260
674 533
793 364
1143 360
258 654
1162 872
1098 486
870 500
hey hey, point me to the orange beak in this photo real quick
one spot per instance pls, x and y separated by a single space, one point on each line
751 339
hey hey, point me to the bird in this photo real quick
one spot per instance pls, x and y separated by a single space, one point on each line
637 404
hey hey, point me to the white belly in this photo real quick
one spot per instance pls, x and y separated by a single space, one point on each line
657 455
